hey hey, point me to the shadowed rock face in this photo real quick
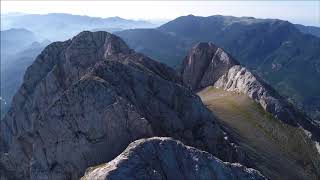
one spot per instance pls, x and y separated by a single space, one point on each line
204 65
84 100
54 70
166 158
59 66
208 65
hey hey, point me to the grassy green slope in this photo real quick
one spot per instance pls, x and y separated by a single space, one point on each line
278 150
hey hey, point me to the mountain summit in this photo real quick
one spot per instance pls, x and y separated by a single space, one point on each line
84 100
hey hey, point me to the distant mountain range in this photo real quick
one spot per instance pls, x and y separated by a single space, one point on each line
285 56
13 40
19 48
309 29
59 26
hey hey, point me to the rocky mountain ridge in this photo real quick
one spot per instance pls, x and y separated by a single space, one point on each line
207 65
210 71
84 100
166 158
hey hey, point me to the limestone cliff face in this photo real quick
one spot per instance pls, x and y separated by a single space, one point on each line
59 66
208 65
54 70
204 65
166 158
84 100
239 79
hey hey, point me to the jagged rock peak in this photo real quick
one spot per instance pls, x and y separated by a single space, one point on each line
112 44
59 65
84 100
166 158
204 64
205 45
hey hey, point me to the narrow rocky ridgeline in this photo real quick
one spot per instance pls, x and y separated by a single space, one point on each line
207 65
166 158
84 100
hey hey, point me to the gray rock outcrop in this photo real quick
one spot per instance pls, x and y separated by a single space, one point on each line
239 79
166 158
204 65
57 67
84 100
207 65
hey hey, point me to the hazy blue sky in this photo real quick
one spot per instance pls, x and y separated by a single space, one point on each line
303 12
